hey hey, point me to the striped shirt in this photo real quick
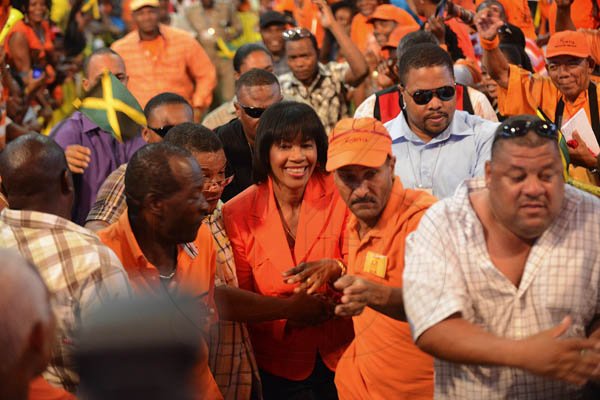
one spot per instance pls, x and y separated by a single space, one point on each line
181 66
78 269
448 270
110 202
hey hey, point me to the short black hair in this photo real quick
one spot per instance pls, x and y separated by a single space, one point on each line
162 99
255 77
424 55
342 4
149 172
31 165
413 38
99 52
285 121
195 138
310 36
244 51
530 140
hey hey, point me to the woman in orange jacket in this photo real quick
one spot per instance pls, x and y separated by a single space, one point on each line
293 214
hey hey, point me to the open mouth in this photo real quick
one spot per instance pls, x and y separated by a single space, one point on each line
296 172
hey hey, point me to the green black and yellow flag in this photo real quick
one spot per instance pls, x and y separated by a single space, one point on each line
113 108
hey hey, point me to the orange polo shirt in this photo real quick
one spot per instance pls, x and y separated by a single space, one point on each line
526 92
582 15
382 362
176 63
195 276
518 14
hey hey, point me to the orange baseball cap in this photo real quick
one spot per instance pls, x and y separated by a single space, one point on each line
568 43
398 33
387 12
360 141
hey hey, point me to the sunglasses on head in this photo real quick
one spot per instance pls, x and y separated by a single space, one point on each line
521 127
162 131
422 97
296 34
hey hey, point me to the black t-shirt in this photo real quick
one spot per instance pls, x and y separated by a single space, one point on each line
239 158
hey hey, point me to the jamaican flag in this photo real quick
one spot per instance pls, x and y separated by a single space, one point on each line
566 160
112 107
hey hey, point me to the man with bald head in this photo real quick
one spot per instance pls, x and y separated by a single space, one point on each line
93 153
77 268
27 325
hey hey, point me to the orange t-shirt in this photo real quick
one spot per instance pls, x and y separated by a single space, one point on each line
40 389
582 15
518 14
382 362
195 276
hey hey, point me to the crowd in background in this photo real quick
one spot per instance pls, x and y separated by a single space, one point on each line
299 199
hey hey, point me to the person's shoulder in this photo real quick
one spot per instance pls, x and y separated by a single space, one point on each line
179 35
482 127
126 40
286 79
69 127
95 255
241 204
584 203
229 130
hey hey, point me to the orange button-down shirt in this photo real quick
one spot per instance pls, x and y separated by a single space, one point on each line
195 276
382 362
262 254
181 66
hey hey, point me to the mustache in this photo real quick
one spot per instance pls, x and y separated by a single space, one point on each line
364 199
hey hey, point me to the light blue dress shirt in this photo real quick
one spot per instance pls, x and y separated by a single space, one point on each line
456 154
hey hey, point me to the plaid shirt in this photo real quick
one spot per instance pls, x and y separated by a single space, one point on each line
78 269
327 93
110 202
561 277
181 67
231 357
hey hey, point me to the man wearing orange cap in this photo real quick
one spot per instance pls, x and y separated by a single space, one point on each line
388 18
383 214
560 96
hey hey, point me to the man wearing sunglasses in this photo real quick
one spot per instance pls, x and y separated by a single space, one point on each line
566 90
162 112
507 300
255 91
437 147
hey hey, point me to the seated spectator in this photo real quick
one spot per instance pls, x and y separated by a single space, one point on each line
256 90
161 240
292 215
92 154
162 112
322 86
28 325
78 269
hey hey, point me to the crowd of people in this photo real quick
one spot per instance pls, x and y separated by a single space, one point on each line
325 200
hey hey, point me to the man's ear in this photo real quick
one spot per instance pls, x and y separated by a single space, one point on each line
238 110
153 204
392 165
591 64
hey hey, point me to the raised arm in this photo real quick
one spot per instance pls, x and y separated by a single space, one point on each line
488 22
563 16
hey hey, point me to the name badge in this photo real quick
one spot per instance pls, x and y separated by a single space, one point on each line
376 264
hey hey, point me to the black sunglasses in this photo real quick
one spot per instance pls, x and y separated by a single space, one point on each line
253 112
521 127
422 97
162 131
296 34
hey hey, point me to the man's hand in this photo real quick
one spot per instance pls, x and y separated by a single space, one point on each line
312 275
580 154
488 22
306 310
325 14
574 360
78 158
359 293
436 26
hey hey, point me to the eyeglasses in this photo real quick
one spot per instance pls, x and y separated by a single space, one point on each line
296 34
422 97
162 131
220 182
252 112
521 127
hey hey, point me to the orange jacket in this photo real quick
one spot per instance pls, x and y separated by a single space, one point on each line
261 256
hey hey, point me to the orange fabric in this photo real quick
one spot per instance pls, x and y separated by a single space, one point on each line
195 276
568 43
464 38
153 46
40 389
397 35
360 31
388 12
518 14
466 4
181 66
582 15
526 92
593 39
262 254
365 370
306 15
32 39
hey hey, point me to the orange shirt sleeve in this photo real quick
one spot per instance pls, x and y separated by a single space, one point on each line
582 15
526 92
204 74
40 389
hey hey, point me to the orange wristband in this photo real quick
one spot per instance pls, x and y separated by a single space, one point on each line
489 44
